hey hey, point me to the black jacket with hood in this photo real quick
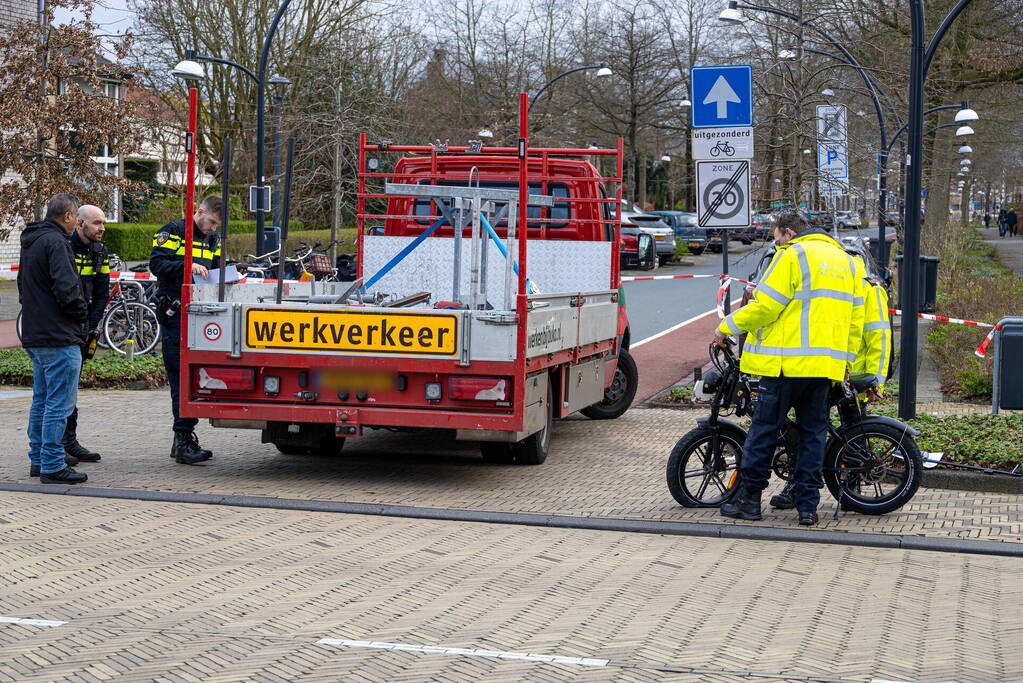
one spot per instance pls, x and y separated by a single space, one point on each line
53 306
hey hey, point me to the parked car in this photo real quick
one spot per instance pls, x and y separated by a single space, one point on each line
849 220
687 229
763 225
664 236
715 238
819 219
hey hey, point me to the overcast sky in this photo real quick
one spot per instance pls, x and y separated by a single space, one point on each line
113 16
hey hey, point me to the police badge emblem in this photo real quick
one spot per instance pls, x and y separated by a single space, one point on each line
161 238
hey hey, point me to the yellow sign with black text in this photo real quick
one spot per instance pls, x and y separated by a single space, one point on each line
352 331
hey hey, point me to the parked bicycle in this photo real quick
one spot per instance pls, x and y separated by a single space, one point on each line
129 324
872 465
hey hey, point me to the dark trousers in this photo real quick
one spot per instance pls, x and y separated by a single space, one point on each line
809 396
171 338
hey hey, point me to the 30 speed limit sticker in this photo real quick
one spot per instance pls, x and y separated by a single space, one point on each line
723 194
211 331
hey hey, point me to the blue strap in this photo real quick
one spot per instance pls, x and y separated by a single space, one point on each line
500 247
402 254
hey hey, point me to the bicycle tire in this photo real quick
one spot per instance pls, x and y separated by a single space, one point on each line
119 321
846 475
689 487
714 151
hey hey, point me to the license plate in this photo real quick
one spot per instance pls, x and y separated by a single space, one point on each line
694 244
659 238
352 332
715 239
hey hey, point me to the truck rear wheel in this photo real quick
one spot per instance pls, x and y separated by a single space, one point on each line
534 448
619 396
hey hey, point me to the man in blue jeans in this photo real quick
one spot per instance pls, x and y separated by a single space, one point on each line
53 320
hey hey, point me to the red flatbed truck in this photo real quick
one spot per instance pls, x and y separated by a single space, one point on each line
484 329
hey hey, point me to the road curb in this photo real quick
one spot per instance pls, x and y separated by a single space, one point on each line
698 529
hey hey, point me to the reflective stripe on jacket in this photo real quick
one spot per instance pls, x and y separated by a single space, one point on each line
167 259
876 348
806 315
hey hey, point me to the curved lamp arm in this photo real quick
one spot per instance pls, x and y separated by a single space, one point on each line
929 111
190 54
535 97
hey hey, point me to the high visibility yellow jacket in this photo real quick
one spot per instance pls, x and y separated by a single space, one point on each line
806 315
876 347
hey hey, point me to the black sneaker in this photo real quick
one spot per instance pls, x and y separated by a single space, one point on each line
33 471
193 442
70 460
808 519
65 476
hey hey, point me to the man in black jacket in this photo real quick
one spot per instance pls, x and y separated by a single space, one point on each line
167 262
52 331
92 261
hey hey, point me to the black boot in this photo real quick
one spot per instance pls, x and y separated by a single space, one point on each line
785 500
194 440
808 518
745 505
78 451
74 450
186 449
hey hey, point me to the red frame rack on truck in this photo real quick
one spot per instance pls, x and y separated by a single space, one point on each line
407 345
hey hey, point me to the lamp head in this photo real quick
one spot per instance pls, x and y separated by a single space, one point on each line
685 103
787 54
965 114
963 130
604 72
485 133
965 149
965 162
280 84
731 14
187 70
828 92
666 158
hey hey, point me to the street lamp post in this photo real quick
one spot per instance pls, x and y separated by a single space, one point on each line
190 70
280 90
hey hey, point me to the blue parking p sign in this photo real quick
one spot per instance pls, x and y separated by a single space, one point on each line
721 95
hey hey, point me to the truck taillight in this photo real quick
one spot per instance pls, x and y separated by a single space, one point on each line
227 379
477 388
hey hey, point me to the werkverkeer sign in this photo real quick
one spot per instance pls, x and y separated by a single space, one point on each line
723 143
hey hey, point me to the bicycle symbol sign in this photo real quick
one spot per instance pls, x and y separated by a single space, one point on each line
723 194
722 147
211 331
723 143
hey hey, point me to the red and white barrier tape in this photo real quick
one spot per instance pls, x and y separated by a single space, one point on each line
635 278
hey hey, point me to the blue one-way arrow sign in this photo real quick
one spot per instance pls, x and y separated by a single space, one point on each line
721 95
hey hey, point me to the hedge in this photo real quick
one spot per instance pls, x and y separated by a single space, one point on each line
134 241
107 370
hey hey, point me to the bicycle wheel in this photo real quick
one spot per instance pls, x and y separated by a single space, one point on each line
876 469
134 321
714 151
697 477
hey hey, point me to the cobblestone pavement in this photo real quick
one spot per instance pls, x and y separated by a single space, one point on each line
596 469
174 592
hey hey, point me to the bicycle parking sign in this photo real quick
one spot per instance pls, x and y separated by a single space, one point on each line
723 143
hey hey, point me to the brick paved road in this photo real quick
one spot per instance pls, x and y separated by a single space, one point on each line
598 469
173 592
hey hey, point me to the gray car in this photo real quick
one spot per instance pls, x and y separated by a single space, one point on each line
664 236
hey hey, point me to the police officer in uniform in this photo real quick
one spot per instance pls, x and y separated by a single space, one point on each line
804 328
92 261
167 262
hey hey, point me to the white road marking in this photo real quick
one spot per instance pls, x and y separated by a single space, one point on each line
30 622
681 324
433 649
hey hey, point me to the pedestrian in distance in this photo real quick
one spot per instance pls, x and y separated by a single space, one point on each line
804 327
167 262
1001 222
54 314
92 261
987 219
1010 221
